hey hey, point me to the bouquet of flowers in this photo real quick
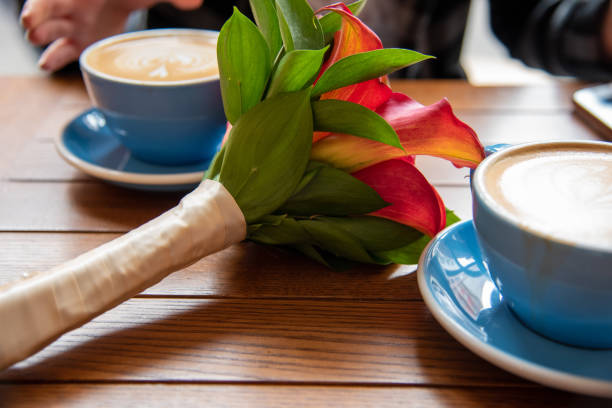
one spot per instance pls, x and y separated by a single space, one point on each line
319 157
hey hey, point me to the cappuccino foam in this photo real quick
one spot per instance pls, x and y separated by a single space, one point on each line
157 58
565 193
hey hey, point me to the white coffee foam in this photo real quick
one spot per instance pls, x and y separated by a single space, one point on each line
567 195
158 58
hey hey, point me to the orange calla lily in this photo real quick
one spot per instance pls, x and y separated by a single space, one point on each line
352 38
430 130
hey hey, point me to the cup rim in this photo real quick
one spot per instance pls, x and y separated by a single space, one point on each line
479 189
159 32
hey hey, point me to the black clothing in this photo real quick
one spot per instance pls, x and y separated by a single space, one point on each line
560 36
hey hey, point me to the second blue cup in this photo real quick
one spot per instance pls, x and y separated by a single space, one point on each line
159 93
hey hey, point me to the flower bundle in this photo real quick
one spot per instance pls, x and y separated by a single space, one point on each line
319 157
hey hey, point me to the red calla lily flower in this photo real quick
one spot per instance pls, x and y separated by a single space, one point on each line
430 130
414 201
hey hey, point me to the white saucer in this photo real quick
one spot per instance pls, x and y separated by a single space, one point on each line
461 296
87 144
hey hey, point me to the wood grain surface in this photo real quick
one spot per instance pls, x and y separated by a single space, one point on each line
250 326
283 395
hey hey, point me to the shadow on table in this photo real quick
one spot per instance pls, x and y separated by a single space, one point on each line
101 206
331 327
460 363
278 340
298 329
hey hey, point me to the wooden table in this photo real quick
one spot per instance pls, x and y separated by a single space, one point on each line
252 325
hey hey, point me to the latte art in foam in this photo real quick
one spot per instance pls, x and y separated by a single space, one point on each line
157 58
566 194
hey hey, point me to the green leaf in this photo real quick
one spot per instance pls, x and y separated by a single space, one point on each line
286 231
410 254
264 12
331 115
333 192
280 230
324 257
375 233
337 263
332 22
311 252
327 239
451 218
296 70
336 241
215 166
244 65
407 255
267 152
284 30
364 66
311 170
300 29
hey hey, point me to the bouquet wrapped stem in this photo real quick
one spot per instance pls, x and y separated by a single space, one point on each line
319 158
37 310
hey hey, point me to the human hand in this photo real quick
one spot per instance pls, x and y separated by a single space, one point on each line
68 26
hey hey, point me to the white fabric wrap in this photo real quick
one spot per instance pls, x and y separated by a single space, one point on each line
37 310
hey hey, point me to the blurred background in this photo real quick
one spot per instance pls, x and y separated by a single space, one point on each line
484 59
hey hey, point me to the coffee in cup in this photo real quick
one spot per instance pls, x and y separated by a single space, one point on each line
159 93
167 58
564 192
543 217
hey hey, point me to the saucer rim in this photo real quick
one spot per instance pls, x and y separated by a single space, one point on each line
503 359
118 176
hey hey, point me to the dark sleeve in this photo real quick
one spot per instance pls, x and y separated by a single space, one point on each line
211 15
562 37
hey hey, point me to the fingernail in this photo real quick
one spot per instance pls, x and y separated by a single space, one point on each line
43 63
25 15
29 36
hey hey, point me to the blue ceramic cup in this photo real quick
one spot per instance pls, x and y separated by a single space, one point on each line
161 117
559 286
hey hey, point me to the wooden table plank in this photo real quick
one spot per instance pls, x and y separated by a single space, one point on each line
497 128
35 108
282 396
37 160
275 340
246 270
251 325
78 206
100 207
515 99
555 96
